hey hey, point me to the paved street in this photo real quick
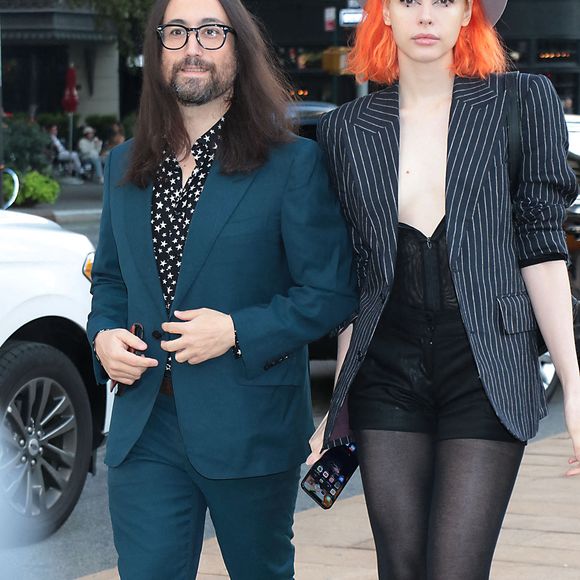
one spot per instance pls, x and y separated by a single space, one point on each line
84 545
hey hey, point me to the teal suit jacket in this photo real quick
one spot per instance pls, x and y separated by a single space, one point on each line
270 248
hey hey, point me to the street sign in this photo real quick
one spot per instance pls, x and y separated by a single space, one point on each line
350 17
330 19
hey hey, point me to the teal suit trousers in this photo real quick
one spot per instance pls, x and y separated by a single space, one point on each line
158 503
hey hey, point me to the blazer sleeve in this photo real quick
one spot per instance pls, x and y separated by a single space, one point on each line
109 303
319 256
547 185
328 140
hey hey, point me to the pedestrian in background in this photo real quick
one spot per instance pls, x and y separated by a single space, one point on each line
62 153
221 237
439 373
115 136
90 147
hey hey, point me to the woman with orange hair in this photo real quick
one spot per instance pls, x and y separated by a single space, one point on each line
438 380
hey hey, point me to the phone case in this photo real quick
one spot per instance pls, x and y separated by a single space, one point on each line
326 479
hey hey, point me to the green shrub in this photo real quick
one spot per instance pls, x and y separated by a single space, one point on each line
101 124
27 146
34 188
129 125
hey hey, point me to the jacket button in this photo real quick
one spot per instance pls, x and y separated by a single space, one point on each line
383 296
156 334
360 355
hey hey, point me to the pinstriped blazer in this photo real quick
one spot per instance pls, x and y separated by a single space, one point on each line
488 232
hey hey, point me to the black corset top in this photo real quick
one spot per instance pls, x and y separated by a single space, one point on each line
422 274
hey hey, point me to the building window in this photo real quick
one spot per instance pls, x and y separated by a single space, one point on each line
566 85
519 51
557 51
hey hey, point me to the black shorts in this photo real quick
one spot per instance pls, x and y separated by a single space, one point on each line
419 375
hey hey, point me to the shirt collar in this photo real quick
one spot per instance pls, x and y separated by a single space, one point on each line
209 140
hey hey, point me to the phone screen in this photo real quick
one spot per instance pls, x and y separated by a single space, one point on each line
326 479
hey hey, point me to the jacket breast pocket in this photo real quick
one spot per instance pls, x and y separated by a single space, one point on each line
516 313
259 224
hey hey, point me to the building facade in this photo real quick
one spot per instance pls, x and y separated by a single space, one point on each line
301 30
40 38
543 37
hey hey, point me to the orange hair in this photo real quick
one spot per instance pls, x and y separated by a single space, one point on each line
478 52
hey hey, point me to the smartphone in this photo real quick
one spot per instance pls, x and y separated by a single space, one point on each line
326 479
137 330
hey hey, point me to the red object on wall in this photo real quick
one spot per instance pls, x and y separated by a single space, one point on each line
70 101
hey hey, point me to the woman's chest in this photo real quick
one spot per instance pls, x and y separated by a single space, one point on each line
422 167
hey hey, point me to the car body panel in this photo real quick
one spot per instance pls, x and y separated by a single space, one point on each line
41 276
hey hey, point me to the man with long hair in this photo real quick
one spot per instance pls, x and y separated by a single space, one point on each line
223 248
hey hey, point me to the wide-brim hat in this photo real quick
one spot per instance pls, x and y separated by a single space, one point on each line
493 9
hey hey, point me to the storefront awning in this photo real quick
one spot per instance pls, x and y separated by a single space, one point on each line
22 26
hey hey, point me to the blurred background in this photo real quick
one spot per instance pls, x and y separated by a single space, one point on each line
40 38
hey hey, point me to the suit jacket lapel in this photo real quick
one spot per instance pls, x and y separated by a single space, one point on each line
136 208
475 121
373 148
220 197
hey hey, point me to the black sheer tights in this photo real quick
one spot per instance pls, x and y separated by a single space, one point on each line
436 508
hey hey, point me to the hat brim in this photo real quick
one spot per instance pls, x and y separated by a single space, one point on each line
493 9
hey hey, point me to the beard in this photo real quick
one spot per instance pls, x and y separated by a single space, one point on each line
199 91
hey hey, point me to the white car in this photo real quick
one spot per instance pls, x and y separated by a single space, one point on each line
53 415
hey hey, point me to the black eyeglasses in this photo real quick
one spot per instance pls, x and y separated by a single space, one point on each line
208 36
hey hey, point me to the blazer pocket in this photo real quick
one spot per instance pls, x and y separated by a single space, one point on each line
250 225
516 313
285 371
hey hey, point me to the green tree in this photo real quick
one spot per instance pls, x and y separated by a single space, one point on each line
127 16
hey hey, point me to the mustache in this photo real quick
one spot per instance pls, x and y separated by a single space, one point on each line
192 61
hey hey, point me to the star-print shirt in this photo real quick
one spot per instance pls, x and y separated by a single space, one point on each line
173 207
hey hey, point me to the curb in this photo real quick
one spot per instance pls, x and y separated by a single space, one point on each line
66 216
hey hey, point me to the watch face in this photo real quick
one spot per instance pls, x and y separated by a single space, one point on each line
327 477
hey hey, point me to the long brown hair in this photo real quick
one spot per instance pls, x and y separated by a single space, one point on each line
257 119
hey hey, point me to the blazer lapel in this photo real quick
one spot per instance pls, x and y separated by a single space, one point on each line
136 208
373 148
220 197
475 121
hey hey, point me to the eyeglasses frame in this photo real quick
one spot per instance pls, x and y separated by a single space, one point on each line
227 30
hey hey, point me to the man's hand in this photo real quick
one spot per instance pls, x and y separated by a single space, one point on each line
205 334
112 348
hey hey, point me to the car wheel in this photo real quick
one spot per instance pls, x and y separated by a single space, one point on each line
46 445
549 377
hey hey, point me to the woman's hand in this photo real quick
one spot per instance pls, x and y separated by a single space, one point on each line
316 442
572 414
121 365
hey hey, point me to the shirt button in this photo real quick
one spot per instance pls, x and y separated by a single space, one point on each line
156 334
383 296
360 355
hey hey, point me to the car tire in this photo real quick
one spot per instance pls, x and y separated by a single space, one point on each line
46 442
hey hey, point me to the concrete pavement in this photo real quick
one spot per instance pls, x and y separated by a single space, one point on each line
76 203
540 538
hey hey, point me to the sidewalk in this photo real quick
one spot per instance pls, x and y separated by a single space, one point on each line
76 203
540 539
